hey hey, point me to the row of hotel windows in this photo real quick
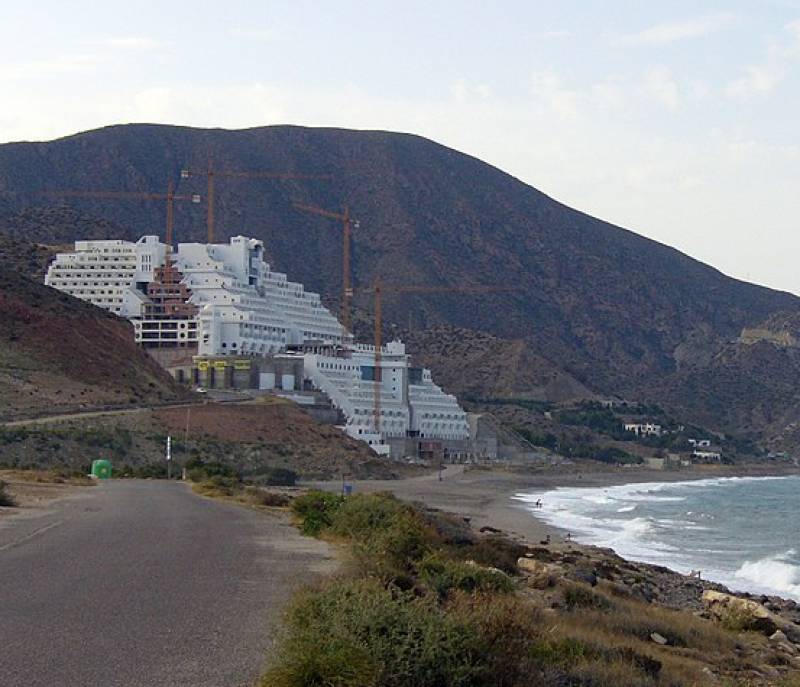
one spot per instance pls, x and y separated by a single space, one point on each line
91 274
443 416
93 283
161 324
167 335
442 425
337 366
80 293
384 412
111 258
250 347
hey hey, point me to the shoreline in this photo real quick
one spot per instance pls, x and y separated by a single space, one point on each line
485 497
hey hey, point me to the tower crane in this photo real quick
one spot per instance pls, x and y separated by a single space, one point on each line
379 290
211 174
170 197
348 223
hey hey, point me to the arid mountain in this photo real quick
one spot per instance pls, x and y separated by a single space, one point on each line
747 386
58 354
477 364
606 309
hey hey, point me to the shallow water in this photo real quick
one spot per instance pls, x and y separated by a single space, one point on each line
740 531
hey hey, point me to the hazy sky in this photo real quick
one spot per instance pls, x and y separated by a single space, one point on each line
678 120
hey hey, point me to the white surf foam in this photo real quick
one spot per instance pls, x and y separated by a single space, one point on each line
605 516
773 574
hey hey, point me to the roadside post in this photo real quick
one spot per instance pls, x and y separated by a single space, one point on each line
169 457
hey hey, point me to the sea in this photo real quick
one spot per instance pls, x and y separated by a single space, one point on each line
743 532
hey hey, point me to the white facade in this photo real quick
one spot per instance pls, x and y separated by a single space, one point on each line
245 308
645 429
708 456
104 272
411 404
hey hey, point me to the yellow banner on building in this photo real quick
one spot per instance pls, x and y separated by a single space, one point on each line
241 365
202 365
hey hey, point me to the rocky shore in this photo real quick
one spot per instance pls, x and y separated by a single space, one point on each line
766 628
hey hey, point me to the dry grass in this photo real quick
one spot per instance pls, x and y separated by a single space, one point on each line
54 476
610 624
230 489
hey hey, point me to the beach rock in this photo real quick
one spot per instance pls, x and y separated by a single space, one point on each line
539 575
586 576
659 639
645 592
751 614
541 554
709 673
778 636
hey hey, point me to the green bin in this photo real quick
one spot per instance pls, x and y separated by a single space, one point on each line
101 469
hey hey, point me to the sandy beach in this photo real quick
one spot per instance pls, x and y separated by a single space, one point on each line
485 496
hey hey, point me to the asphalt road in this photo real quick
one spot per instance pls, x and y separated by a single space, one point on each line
144 583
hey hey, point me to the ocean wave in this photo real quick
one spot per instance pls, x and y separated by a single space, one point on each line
773 573
640 522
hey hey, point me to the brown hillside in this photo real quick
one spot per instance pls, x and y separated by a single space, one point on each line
478 364
283 431
251 438
59 354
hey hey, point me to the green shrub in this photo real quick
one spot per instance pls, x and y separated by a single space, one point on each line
362 515
578 596
445 575
450 529
199 470
14 435
276 477
388 536
146 471
543 439
737 620
564 652
315 510
392 552
360 633
266 498
5 498
496 552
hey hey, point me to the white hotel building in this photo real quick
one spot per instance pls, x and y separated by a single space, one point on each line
103 272
225 300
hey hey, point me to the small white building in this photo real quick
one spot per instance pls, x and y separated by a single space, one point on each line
643 429
699 443
706 456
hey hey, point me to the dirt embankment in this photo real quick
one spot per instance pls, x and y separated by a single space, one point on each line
249 437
